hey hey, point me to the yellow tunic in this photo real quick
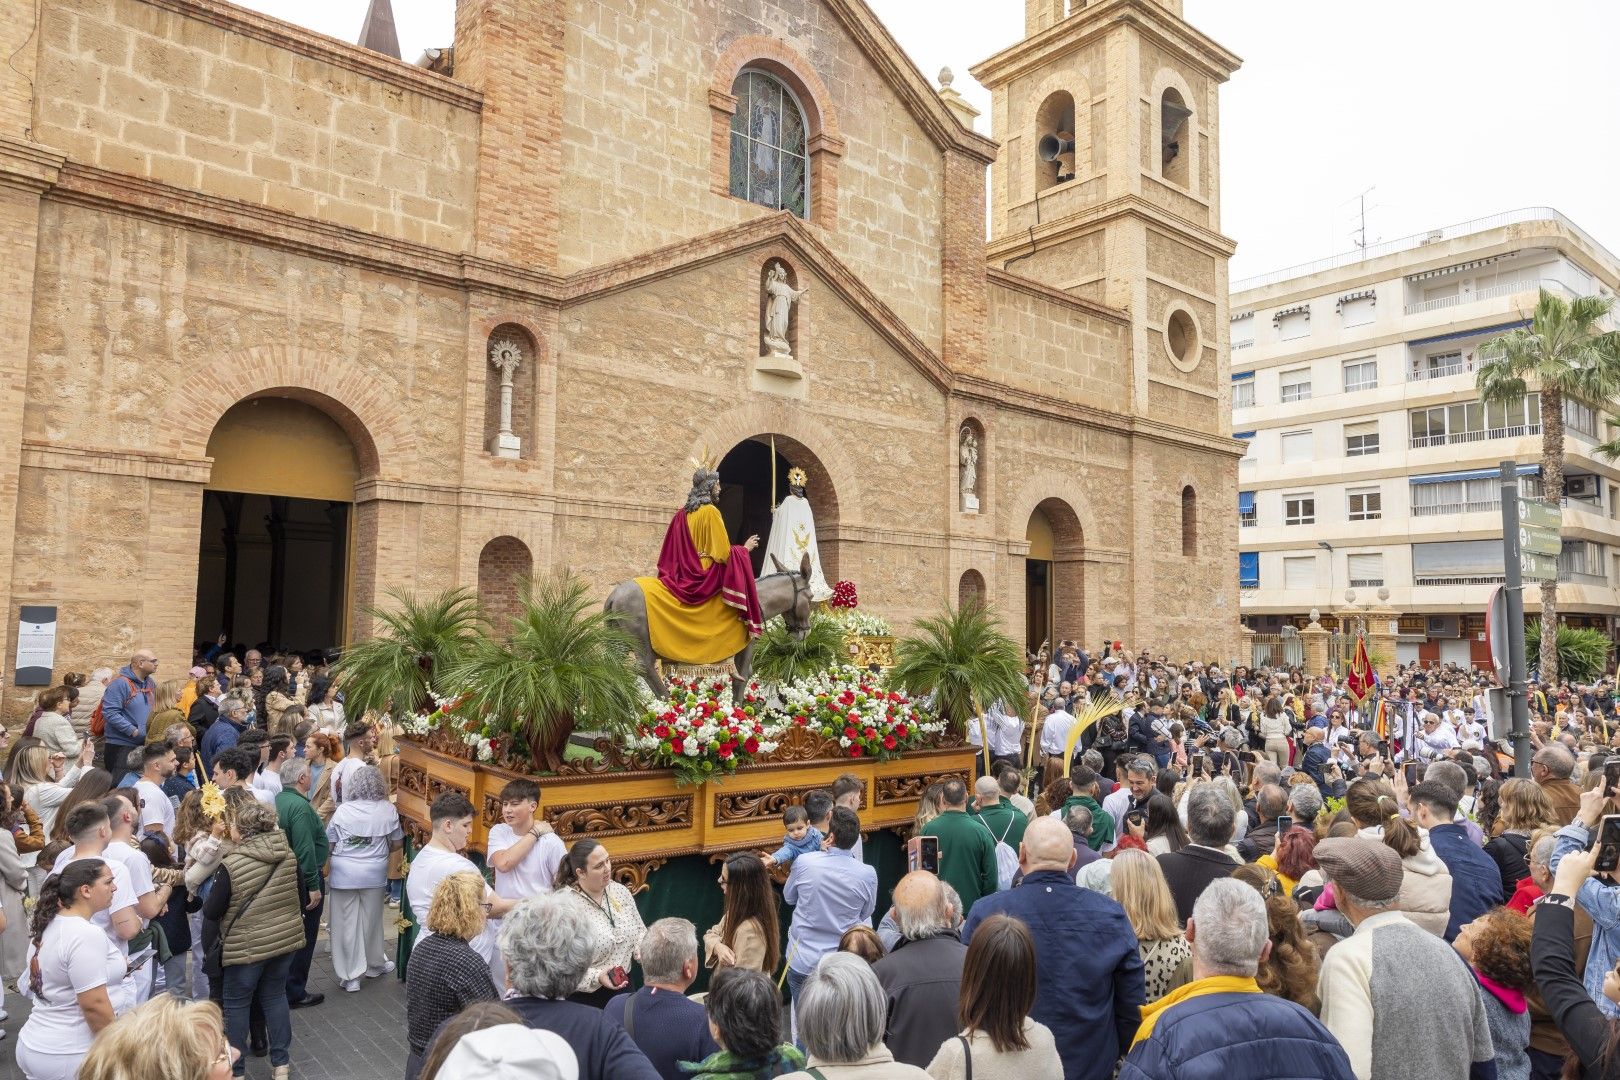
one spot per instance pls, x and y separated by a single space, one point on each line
705 634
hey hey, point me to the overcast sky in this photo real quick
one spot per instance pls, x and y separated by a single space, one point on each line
1447 109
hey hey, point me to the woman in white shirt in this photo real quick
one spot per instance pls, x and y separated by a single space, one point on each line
53 728
324 708
46 787
363 831
71 966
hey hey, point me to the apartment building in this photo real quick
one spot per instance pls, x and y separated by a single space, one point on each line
1372 462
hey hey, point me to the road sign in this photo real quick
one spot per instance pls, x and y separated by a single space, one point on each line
1540 567
1540 541
1540 515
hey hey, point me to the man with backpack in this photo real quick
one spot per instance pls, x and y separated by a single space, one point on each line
124 708
1006 824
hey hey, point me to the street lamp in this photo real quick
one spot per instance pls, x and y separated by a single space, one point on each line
1327 547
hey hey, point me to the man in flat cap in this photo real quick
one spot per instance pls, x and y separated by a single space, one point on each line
1400 1001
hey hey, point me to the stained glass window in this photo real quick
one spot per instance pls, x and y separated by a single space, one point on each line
769 164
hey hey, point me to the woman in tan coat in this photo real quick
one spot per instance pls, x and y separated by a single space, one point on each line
747 934
1426 886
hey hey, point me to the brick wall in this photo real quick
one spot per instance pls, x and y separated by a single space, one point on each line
136 89
504 567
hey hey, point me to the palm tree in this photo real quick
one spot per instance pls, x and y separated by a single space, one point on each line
1563 352
396 669
563 658
962 658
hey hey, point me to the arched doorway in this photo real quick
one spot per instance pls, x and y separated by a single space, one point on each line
746 495
276 547
504 567
1054 576
970 590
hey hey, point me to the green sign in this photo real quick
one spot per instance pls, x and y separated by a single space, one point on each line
1538 567
1540 541
1540 515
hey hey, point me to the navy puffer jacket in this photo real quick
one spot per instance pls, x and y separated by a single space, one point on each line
1237 1036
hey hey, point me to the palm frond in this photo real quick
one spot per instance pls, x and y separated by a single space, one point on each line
415 644
780 658
564 658
963 659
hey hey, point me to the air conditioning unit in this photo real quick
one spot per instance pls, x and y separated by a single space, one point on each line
1581 487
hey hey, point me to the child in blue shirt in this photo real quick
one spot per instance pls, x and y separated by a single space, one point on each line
800 837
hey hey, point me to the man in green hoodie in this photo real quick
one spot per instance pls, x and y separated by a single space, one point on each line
967 851
1085 794
307 837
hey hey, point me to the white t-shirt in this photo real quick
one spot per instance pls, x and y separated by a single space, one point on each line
269 781
431 866
361 833
124 894
156 808
535 873
74 956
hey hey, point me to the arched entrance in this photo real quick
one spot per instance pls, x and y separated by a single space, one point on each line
504 568
1054 576
275 560
746 495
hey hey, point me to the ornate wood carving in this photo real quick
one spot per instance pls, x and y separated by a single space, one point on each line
899 789
415 780
633 873
865 651
801 744
613 758
648 815
734 807
418 832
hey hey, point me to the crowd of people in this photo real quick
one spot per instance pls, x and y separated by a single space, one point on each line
1238 875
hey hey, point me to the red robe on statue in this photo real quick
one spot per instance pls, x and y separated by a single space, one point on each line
703 606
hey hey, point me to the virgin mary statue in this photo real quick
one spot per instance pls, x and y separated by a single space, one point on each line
793 535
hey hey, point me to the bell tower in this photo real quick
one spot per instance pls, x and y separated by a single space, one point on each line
1108 185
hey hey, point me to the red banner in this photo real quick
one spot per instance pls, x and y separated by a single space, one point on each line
1360 678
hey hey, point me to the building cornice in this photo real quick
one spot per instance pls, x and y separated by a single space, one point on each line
1094 217
28 165
1006 279
1096 20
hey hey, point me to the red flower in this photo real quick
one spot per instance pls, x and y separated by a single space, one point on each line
870 733
662 731
901 730
725 750
889 742
751 745
855 750
677 745
849 733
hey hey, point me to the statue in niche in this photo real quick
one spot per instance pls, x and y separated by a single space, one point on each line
780 296
793 536
970 471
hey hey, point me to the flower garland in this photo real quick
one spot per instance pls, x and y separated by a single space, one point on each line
700 732
866 720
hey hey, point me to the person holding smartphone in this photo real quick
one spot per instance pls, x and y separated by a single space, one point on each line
74 974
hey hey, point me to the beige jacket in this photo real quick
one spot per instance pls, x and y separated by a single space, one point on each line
878 1064
1040 1060
748 945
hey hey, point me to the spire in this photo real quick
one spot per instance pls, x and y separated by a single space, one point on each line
378 34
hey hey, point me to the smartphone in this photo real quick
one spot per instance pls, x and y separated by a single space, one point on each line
1608 845
1611 777
1284 823
922 853
1411 769
137 960
619 977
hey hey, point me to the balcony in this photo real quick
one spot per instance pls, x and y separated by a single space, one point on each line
1475 506
1418 371
1508 288
1517 431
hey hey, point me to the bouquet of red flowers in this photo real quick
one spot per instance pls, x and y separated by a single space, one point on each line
865 719
844 595
700 732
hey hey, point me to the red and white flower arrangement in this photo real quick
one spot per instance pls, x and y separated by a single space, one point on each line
844 596
485 742
700 732
865 719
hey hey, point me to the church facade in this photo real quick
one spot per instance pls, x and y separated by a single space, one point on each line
294 323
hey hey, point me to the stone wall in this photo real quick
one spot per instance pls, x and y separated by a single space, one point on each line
270 118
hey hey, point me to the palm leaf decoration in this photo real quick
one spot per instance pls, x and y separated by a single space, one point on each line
1564 352
415 644
780 658
962 658
563 657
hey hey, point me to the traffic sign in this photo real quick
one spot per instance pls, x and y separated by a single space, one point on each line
1540 541
1540 515
1540 567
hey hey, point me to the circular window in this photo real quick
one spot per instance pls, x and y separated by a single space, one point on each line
1181 340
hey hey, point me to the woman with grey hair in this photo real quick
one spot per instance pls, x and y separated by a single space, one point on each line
549 942
364 832
841 1011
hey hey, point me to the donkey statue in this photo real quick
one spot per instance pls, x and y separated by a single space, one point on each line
785 593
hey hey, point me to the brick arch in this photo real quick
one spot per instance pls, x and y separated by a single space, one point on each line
505 566
383 437
1169 79
1079 90
1038 489
829 462
1072 522
782 60
971 588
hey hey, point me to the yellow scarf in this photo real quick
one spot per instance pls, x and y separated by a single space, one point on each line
1215 984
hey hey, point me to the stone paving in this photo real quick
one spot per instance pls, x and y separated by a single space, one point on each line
359 1036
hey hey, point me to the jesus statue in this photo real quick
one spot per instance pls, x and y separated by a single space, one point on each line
793 535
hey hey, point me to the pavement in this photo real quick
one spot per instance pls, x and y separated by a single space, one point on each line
359 1036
